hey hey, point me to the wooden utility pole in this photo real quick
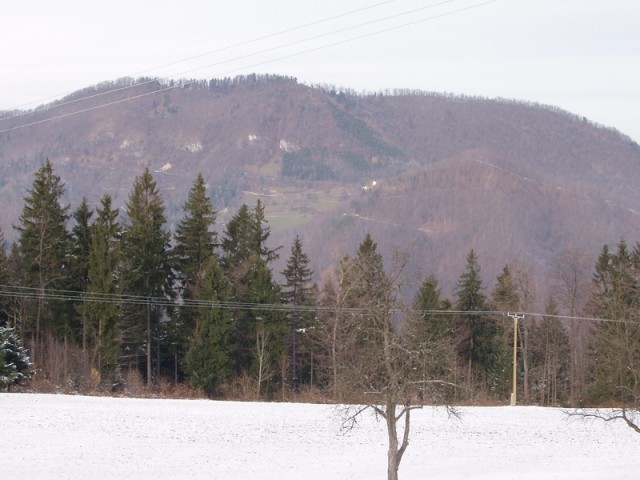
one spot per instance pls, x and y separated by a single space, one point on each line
516 317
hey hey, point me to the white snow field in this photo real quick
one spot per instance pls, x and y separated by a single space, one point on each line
76 437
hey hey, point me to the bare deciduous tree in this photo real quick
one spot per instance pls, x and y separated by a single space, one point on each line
379 364
571 270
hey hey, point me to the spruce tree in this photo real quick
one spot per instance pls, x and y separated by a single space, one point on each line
208 359
476 330
80 246
431 327
104 317
147 258
195 237
616 341
15 364
299 294
43 247
365 291
5 304
194 248
364 275
504 298
245 258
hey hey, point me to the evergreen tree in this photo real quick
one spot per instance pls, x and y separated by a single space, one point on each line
43 247
80 246
377 365
147 258
245 263
246 237
432 331
616 341
298 293
364 275
4 281
15 364
262 232
365 301
103 274
194 248
504 298
431 327
195 238
477 331
208 360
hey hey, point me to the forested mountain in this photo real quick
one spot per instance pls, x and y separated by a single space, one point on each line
152 222
429 174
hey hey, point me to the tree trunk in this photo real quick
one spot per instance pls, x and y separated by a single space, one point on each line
392 452
395 452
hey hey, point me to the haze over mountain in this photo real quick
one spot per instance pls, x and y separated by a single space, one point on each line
427 174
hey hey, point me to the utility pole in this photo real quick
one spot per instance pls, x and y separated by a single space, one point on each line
516 317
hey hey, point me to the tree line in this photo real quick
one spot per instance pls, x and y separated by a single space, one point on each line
98 295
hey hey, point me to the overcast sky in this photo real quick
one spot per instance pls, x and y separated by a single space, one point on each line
580 55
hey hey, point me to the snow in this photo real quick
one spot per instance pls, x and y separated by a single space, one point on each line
58 436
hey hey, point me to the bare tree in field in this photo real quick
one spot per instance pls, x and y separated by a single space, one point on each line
380 366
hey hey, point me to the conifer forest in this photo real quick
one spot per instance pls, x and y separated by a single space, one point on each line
111 300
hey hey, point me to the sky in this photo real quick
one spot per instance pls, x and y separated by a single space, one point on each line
580 55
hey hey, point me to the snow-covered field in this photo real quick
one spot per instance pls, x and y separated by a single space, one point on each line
58 436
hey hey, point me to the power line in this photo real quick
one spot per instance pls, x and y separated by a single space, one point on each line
30 293
204 54
182 84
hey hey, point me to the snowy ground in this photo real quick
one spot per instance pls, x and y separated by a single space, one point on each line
57 436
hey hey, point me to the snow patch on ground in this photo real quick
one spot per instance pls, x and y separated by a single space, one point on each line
58 436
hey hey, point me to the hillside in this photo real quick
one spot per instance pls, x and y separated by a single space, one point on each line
514 181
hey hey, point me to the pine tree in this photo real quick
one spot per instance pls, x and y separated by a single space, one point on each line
103 273
298 293
43 243
208 360
146 252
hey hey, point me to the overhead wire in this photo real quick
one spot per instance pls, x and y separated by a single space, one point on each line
200 55
182 84
31 293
